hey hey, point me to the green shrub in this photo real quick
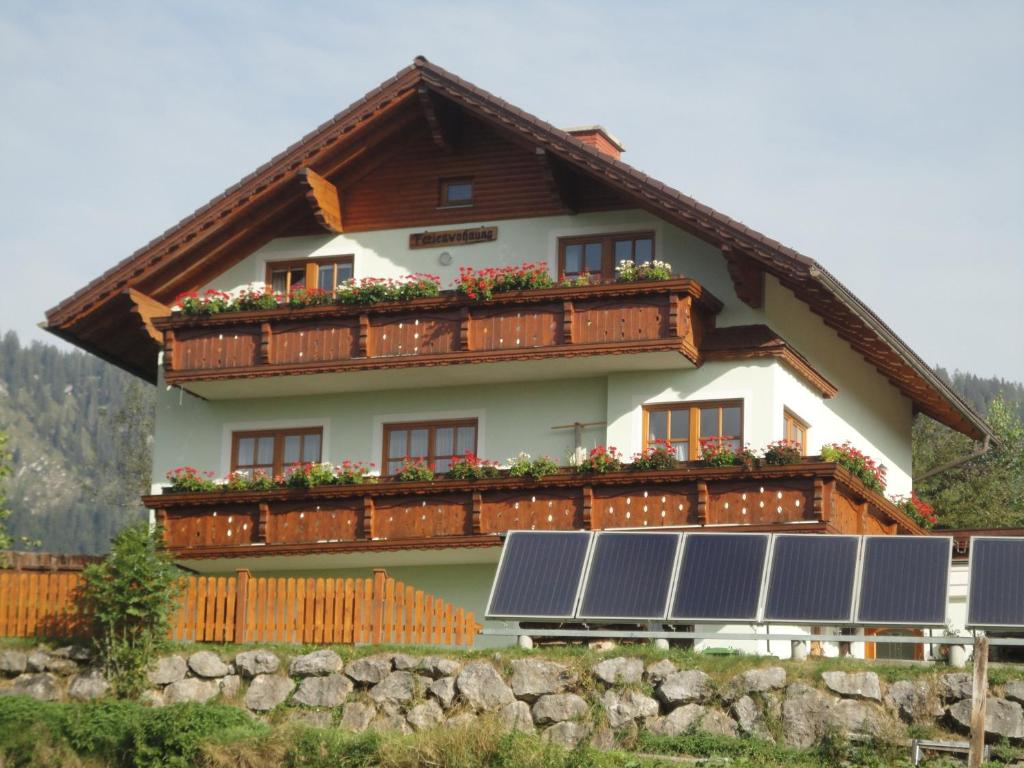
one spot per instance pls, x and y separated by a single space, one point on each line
130 596
524 466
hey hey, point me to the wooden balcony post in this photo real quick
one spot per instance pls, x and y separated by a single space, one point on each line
478 508
368 510
263 526
568 322
241 603
465 330
165 532
377 605
364 335
265 338
702 502
588 507
169 350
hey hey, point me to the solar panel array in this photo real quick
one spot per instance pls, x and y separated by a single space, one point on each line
752 578
995 599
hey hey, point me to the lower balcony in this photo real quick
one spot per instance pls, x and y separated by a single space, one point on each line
811 496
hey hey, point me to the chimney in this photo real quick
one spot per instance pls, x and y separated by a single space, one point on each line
598 138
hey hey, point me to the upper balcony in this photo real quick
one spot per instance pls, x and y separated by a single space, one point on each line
595 329
811 496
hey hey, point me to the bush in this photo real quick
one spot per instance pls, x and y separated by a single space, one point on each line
190 479
601 459
860 464
130 596
782 452
524 466
470 467
659 455
415 470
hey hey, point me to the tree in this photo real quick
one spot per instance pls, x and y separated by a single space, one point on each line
987 492
5 470
131 596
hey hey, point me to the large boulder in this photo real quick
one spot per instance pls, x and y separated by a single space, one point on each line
391 722
628 706
39 685
566 734
515 716
426 715
659 670
856 685
533 678
191 689
13 662
61 666
167 670
37 660
559 707
396 688
267 691
438 666
678 721
619 670
1002 717
317 663
857 718
257 662
328 691
88 685
759 680
207 664
805 715
718 723
230 686
1014 691
369 670
482 687
750 718
443 689
912 700
403 662
954 686
357 716
686 687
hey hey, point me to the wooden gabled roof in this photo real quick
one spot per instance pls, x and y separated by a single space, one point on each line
104 318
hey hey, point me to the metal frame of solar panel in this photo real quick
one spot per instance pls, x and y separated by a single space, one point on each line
913 572
729 573
607 572
979 584
540 574
820 578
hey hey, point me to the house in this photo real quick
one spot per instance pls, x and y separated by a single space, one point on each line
748 342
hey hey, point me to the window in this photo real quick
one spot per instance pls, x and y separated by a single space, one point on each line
455 192
684 425
795 430
597 255
324 274
434 442
273 451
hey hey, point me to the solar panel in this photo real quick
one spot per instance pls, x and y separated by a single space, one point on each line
720 577
539 575
904 580
995 588
629 576
811 579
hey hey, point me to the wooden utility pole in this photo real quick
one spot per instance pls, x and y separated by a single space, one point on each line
979 697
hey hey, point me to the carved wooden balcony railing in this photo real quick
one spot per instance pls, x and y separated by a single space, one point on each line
810 496
558 322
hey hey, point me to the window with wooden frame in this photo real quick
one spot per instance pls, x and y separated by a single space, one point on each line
434 442
597 255
275 450
794 430
684 425
324 274
456 192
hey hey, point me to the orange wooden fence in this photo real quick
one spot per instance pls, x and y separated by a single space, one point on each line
246 609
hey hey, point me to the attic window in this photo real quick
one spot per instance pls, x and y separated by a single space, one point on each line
456 192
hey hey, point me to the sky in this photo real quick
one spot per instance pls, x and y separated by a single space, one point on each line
885 140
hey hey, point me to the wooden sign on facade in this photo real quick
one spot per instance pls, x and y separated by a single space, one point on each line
449 237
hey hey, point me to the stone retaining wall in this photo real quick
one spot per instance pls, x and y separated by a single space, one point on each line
566 703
